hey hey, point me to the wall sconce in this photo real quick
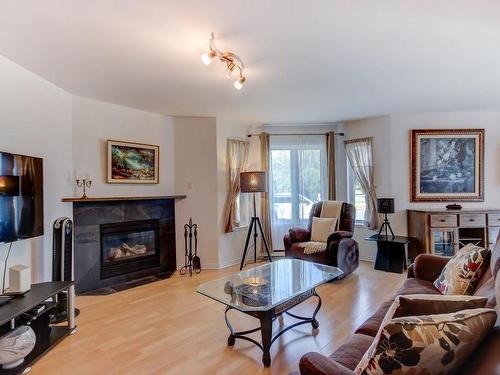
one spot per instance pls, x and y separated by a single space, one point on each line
231 60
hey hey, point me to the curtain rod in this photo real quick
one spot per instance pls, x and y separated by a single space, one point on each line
255 135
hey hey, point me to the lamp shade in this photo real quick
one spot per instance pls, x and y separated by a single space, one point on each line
253 182
9 186
385 205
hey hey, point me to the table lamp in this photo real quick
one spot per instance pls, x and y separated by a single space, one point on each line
254 182
385 206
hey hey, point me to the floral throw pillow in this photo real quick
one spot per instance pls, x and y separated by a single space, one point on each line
462 273
430 344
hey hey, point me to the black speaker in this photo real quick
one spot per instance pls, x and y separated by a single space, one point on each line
62 250
63 268
385 205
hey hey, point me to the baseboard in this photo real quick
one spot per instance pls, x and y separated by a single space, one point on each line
229 263
207 266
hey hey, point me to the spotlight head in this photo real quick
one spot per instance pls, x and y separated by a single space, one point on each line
230 68
239 83
207 58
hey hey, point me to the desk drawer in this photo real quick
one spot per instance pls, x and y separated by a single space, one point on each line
472 220
446 221
494 220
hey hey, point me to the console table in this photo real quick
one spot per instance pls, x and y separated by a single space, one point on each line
38 294
443 232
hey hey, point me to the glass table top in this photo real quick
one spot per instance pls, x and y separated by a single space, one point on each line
264 287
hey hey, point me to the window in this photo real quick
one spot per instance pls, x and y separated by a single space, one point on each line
242 212
356 195
236 208
298 179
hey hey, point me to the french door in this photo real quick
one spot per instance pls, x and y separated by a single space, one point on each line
298 179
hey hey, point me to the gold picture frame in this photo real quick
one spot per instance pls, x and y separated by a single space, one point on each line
132 163
447 165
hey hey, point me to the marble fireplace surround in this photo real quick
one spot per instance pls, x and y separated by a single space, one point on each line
90 213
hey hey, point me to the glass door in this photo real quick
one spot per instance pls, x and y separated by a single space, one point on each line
443 242
297 180
492 236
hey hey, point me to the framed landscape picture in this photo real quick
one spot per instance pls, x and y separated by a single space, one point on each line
447 165
132 163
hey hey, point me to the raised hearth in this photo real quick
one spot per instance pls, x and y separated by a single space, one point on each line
119 240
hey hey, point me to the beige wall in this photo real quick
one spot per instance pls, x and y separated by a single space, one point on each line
195 176
94 122
391 160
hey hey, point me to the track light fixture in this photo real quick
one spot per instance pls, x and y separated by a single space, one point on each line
230 59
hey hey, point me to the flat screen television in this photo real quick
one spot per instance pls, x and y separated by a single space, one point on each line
21 197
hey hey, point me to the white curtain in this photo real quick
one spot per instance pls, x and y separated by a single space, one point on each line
360 155
297 179
237 156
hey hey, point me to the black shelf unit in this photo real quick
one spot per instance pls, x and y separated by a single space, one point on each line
15 310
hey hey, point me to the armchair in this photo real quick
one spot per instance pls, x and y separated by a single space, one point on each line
341 250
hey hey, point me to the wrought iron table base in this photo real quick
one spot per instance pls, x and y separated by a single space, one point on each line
266 324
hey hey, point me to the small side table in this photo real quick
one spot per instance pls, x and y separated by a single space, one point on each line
392 253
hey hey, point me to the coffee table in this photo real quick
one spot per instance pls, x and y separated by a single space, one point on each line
267 292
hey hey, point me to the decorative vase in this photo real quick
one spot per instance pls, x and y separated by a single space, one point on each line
15 346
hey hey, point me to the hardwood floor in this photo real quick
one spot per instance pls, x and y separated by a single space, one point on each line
167 328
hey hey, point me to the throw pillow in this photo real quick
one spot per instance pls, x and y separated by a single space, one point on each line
463 271
429 344
427 304
322 227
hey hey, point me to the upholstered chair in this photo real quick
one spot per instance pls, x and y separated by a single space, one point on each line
341 250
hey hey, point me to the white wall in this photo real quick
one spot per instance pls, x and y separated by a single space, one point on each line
196 176
391 160
35 119
69 133
94 122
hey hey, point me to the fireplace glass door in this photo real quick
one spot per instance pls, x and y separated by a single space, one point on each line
126 246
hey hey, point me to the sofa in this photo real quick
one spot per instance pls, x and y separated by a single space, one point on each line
421 275
342 250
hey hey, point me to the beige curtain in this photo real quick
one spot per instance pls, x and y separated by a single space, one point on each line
236 159
330 153
265 211
360 155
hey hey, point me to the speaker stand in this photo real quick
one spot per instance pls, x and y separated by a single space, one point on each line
386 225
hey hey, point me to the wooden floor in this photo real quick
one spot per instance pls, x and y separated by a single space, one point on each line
167 328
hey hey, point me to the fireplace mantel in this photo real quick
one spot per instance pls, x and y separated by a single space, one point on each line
116 199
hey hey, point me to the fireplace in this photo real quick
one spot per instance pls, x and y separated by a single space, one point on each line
128 247
146 226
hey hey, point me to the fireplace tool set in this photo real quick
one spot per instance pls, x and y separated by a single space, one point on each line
191 259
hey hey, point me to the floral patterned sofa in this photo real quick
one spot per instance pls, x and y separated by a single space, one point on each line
421 275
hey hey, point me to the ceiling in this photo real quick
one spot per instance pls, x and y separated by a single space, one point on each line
306 61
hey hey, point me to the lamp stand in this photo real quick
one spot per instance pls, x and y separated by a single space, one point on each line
386 225
253 229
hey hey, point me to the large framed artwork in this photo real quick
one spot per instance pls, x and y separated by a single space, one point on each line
447 165
132 163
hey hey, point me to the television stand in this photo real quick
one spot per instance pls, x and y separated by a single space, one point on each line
13 311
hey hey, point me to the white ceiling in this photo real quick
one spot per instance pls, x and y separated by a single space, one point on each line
307 61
